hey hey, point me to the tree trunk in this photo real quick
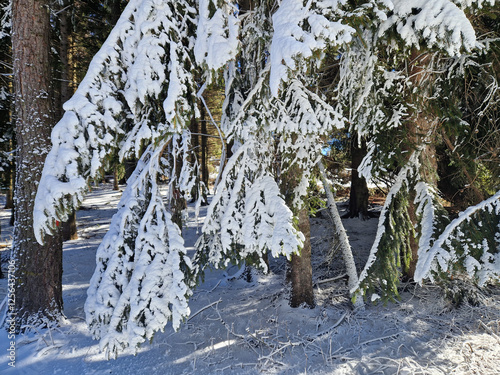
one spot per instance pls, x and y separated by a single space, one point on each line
177 201
130 165
65 30
204 148
69 229
194 128
300 272
116 11
358 198
420 129
38 267
116 186
301 269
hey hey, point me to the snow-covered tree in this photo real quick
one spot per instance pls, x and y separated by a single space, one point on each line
420 44
138 90
141 93
138 97
276 121
143 277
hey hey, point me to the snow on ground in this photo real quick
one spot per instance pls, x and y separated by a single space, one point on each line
240 327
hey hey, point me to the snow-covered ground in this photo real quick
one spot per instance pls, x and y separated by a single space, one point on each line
240 327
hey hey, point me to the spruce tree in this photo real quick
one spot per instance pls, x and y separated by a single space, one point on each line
421 45
143 90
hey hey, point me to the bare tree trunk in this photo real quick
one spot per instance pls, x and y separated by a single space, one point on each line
358 198
177 201
116 186
38 267
194 128
301 269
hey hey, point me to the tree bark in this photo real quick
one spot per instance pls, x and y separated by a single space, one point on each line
301 269
38 272
300 272
420 129
116 185
358 198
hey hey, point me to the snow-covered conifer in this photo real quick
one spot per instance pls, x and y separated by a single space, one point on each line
247 216
139 88
138 96
437 23
143 276
264 122
412 219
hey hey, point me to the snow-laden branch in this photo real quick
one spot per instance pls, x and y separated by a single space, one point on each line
470 3
440 23
300 30
247 216
217 40
443 253
142 278
145 64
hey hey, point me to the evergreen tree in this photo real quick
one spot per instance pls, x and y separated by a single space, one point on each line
417 41
140 98
131 103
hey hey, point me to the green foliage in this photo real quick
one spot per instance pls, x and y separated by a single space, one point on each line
315 199
394 249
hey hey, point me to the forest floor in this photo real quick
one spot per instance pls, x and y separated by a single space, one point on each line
240 327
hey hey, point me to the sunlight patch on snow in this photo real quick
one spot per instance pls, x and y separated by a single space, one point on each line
208 349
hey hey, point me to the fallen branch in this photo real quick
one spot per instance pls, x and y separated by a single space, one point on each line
204 308
332 279
328 330
490 331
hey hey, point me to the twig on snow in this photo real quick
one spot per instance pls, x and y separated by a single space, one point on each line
204 308
326 331
331 279
379 339
490 331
